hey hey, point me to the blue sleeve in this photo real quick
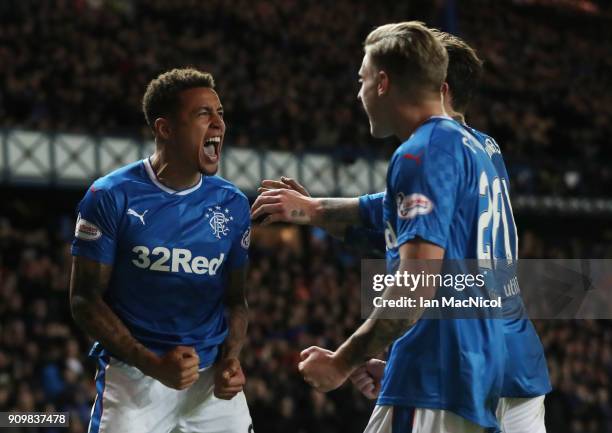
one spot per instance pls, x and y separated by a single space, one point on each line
425 194
371 210
95 235
239 253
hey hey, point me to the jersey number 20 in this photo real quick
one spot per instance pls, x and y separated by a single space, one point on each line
498 211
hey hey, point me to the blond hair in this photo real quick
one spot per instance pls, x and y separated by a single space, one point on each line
409 53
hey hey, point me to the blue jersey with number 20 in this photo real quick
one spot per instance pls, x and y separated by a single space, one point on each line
433 193
525 370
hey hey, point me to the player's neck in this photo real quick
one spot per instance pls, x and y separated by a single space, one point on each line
410 117
172 173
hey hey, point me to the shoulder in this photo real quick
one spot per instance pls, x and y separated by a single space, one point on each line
117 180
227 189
447 135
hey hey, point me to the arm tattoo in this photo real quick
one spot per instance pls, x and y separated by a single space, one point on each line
298 213
372 338
88 282
375 334
344 210
236 304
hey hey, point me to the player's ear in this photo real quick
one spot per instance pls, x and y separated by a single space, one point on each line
444 89
383 83
162 128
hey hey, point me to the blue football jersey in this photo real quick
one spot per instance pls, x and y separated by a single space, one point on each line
525 370
433 193
170 251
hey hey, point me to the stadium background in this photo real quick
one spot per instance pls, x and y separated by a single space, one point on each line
286 74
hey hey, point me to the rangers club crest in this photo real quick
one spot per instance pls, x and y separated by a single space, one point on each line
218 219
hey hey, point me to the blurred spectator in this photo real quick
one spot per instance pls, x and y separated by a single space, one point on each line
287 74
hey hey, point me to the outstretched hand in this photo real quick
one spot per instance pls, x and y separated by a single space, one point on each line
283 200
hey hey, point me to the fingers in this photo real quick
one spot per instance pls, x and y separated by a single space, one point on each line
185 351
189 380
227 394
270 219
274 184
306 352
189 362
265 199
358 374
295 185
231 383
364 383
263 209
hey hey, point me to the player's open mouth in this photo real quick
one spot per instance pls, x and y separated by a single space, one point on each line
211 148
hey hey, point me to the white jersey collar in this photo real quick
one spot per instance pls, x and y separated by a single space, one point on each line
157 183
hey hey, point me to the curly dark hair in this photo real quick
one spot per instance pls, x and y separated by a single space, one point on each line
162 95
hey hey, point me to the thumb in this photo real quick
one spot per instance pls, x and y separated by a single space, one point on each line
230 369
306 352
186 351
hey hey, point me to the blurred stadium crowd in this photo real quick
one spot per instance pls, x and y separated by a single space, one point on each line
287 73
304 290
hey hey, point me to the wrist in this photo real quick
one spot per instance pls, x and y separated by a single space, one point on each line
342 363
230 351
147 362
317 210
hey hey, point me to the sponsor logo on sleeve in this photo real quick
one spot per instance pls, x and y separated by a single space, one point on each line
409 206
246 239
86 230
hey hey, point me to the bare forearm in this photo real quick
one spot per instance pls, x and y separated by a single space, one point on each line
371 339
376 334
238 324
238 313
336 214
95 317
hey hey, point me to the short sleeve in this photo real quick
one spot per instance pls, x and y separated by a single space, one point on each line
239 253
371 210
95 235
425 192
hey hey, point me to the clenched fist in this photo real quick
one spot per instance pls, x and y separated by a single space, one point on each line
229 378
177 368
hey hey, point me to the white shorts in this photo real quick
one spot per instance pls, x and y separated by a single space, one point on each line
521 415
397 419
127 401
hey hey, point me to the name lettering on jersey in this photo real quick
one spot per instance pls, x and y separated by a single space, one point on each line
86 230
137 215
470 142
218 220
180 259
409 206
491 147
